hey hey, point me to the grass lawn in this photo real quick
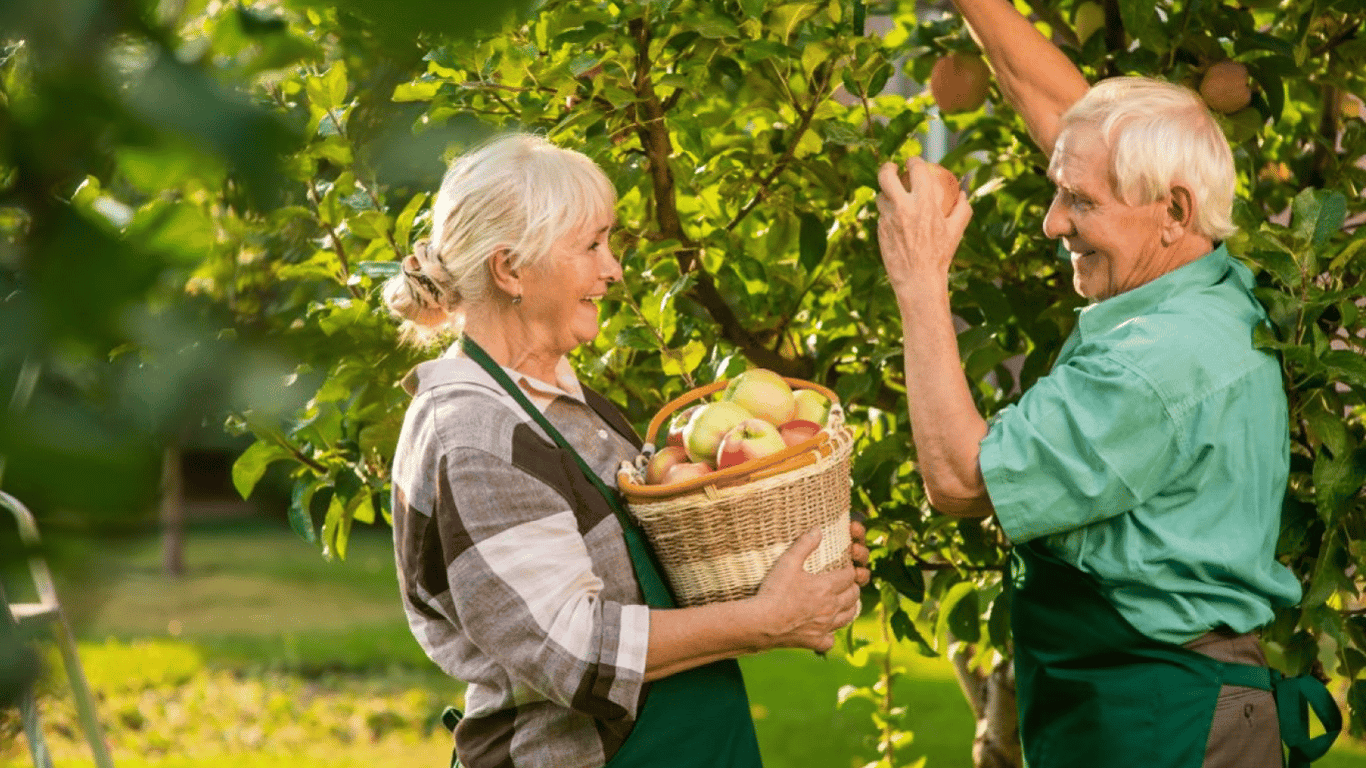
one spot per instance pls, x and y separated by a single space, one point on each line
266 655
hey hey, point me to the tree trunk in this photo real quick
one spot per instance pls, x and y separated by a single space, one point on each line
172 512
992 698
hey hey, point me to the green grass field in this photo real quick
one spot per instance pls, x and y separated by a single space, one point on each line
264 655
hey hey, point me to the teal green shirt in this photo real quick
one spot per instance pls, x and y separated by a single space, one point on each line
1154 455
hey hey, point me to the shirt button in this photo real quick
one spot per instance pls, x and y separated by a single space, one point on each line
602 434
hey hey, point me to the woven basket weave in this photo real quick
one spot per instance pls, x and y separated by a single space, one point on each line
717 536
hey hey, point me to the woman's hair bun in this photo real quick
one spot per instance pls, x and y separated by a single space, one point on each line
414 295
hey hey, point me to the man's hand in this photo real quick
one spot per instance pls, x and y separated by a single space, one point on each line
916 239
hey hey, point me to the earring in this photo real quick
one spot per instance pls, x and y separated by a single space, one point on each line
517 299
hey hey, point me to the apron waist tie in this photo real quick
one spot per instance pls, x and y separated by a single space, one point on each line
1295 696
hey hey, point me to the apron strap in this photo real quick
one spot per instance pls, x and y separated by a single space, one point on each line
1295 696
652 585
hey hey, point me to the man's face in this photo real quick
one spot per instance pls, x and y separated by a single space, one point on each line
1115 246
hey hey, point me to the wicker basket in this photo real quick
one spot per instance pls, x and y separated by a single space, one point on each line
718 535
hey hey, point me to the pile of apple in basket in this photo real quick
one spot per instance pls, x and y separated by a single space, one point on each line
743 468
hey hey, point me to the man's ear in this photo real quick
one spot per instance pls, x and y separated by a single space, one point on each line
504 276
1180 213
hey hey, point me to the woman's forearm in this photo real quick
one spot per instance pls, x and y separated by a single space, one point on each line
683 638
1038 80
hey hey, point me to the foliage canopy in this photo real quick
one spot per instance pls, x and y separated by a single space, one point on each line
199 200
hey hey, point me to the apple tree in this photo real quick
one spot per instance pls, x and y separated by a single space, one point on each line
743 138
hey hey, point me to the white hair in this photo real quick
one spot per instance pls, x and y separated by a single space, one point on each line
517 193
1160 135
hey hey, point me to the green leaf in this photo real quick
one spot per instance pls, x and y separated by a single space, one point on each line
683 360
904 629
1336 479
300 510
1345 365
956 620
251 465
370 225
335 82
910 582
812 242
965 616
403 224
379 271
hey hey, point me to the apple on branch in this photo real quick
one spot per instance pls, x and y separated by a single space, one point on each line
959 82
664 459
703 434
750 439
762 393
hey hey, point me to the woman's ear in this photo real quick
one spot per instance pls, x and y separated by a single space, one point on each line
1180 214
504 276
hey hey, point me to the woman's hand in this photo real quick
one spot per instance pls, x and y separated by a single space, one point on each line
803 610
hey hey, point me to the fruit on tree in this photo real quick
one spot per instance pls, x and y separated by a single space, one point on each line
686 471
664 459
764 394
1225 87
703 434
751 439
798 431
811 406
1089 19
958 82
948 185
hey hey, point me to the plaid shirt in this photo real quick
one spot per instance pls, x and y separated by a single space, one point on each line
512 567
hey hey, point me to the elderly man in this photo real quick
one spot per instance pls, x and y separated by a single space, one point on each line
1141 480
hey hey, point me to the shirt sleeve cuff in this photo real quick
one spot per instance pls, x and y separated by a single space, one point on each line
1002 490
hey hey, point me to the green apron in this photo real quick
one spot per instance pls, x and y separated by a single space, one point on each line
698 718
1092 690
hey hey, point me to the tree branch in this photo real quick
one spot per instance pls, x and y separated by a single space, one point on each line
654 139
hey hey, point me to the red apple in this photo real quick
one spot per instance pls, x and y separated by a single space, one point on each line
959 82
764 394
685 471
705 429
750 439
676 424
1225 87
811 406
798 431
664 459
948 185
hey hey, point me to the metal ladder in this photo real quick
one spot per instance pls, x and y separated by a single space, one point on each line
47 612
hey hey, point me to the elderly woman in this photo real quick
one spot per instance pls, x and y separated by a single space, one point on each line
1141 480
520 572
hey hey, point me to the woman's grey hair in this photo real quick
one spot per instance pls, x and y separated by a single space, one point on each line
1160 135
517 193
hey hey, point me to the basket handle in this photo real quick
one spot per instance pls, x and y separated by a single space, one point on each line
697 394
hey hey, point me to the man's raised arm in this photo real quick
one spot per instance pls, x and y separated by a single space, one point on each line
1038 80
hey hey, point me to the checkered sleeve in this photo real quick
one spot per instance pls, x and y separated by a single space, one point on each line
523 565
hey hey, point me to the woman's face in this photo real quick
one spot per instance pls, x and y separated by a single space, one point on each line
560 296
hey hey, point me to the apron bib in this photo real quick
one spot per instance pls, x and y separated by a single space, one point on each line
698 718
1092 690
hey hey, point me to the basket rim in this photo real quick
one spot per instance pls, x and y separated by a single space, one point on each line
698 393
820 448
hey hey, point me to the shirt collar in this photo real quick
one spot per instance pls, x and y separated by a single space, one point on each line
454 367
1210 269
